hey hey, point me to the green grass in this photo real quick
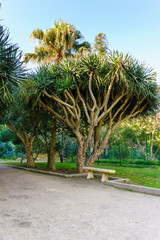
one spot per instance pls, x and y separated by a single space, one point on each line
43 165
139 163
148 177
140 176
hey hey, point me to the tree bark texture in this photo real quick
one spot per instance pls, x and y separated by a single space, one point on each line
29 154
98 148
80 158
51 162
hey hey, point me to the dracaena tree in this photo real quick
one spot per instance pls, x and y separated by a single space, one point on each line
11 71
93 91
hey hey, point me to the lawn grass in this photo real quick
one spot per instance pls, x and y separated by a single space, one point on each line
148 177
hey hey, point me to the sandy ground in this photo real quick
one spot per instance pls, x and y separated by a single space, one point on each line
42 207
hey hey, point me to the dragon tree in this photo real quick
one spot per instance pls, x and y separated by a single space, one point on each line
94 92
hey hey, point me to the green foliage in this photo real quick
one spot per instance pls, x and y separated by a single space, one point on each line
5 134
11 71
130 77
56 43
101 44
6 150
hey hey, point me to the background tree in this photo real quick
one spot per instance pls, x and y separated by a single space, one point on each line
97 91
101 44
146 131
54 44
24 122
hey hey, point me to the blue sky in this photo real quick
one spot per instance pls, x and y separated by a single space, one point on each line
130 26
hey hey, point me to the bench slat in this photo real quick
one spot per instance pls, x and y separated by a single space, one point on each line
99 170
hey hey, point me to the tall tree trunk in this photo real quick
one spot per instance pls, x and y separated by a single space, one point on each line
98 148
61 157
29 154
80 158
51 162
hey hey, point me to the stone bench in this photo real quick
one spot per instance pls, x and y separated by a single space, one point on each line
100 170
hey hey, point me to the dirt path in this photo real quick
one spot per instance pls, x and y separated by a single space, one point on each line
42 207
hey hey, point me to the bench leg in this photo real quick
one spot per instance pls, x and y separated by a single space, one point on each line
90 175
104 177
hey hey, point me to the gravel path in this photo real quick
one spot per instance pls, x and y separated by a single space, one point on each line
42 207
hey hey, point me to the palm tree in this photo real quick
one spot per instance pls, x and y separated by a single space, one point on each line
56 43
11 70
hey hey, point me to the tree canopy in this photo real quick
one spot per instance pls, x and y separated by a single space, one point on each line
11 70
56 43
97 91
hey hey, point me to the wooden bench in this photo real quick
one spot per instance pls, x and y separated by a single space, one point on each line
103 171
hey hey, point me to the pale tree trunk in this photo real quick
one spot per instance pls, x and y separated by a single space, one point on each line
82 147
98 148
151 148
80 158
51 162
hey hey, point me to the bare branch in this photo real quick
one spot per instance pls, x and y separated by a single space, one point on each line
69 110
57 99
108 94
91 92
121 107
84 105
111 107
12 128
57 115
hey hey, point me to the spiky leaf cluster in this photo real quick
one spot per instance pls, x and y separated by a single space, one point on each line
127 75
11 70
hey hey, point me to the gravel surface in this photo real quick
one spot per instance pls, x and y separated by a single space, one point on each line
42 207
